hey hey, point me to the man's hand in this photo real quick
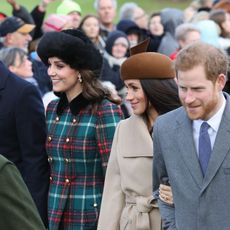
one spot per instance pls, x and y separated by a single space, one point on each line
165 194
43 4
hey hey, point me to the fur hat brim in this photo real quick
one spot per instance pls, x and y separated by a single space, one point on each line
72 47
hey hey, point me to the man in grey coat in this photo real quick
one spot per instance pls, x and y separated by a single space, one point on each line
197 170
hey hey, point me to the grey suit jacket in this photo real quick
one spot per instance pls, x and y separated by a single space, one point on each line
200 203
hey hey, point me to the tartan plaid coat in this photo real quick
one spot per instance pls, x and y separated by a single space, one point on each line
78 147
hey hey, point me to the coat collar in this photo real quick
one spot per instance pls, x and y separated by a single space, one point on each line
188 151
186 145
137 139
221 147
75 105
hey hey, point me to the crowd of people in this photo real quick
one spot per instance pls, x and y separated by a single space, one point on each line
116 119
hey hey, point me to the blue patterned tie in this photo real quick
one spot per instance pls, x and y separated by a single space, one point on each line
205 148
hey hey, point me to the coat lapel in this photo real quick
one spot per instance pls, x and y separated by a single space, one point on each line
187 148
221 147
138 130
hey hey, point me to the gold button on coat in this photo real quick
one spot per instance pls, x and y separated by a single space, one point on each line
57 119
95 205
67 140
67 180
67 160
49 138
50 159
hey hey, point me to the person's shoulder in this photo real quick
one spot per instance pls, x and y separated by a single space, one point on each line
4 162
132 121
14 78
171 116
108 108
105 103
52 104
19 83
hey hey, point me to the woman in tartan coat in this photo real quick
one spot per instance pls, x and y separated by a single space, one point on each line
81 126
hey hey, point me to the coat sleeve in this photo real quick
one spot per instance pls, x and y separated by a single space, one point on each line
38 17
159 171
31 132
113 199
17 208
24 14
108 117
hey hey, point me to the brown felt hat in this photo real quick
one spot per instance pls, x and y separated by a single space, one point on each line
146 65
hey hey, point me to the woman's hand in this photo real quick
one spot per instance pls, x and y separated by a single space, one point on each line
165 194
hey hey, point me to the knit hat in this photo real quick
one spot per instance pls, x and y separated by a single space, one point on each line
112 38
73 47
146 65
55 22
67 7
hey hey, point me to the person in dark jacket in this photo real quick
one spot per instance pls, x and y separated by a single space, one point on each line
115 53
17 208
155 31
134 33
23 134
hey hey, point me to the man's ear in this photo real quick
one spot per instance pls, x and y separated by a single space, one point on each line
221 81
11 68
8 38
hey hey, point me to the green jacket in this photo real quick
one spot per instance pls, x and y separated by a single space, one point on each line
17 208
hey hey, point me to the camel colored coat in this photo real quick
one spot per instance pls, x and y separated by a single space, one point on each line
126 202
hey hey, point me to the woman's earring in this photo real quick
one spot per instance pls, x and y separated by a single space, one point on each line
79 78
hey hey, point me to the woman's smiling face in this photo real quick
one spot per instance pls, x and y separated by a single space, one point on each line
136 96
64 78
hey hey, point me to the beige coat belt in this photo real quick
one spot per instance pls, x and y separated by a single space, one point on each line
143 205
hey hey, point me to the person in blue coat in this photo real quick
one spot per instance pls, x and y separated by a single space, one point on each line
23 134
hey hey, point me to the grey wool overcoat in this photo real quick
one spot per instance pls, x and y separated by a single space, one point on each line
201 203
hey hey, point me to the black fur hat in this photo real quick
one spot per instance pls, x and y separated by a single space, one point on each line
73 47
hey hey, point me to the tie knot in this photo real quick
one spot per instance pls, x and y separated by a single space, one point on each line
204 127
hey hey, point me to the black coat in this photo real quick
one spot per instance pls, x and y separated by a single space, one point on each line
23 134
111 74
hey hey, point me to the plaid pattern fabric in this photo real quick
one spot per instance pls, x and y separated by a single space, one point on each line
78 148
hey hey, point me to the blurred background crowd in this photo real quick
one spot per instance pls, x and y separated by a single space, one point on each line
109 31
112 29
